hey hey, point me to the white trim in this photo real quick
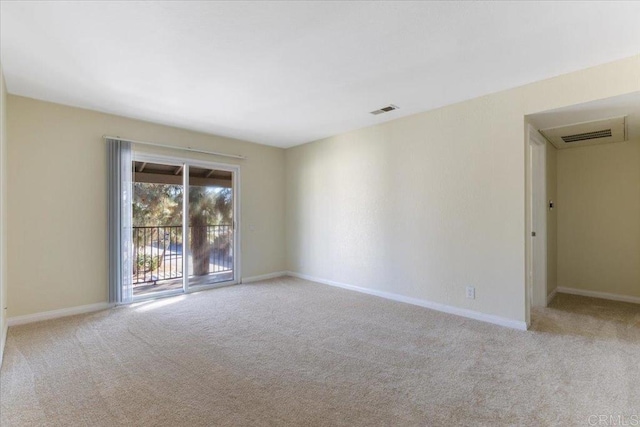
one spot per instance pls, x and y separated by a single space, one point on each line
268 276
3 339
154 295
551 296
534 292
237 224
54 314
186 247
536 136
539 218
528 226
471 314
601 295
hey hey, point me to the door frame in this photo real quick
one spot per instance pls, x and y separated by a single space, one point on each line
185 162
536 221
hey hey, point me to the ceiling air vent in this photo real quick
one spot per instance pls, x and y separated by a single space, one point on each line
386 109
605 133
587 133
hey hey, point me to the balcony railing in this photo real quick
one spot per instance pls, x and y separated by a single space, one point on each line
158 252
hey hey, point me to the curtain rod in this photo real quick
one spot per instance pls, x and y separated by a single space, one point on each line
173 147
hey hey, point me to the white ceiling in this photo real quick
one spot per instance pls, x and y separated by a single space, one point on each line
285 73
623 105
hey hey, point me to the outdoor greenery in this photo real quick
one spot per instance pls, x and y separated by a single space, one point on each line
156 204
160 205
146 262
207 206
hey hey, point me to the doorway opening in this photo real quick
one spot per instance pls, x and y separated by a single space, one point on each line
583 202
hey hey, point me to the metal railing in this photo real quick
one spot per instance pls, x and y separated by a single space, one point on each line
158 251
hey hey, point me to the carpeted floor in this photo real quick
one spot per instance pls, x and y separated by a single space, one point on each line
290 352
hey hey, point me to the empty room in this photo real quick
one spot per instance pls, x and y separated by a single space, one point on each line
319 213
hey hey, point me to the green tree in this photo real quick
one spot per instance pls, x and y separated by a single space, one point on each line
159 205
207 206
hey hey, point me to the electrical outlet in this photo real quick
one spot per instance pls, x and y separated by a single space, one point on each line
471 292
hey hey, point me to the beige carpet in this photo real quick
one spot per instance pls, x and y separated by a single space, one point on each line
289 352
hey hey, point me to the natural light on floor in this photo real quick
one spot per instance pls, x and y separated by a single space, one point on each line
151 305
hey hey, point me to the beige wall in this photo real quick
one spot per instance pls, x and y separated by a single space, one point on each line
599 218
3 215
552 218
419 206
424 205
57 201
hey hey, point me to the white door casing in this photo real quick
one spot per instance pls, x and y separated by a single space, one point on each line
537 268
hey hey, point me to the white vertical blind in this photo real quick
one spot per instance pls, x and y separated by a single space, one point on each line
120 193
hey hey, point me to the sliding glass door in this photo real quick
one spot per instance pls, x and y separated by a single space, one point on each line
181 243
158 195
211 234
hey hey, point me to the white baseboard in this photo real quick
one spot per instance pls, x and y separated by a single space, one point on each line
596 294
54 314
471 314
263 277
551 296
3 341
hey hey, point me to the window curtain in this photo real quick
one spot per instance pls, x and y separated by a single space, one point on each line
120 193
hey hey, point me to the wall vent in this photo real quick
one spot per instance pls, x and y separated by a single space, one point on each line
605 133
587 133
386 109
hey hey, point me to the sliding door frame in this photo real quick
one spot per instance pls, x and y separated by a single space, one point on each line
235 182
185 162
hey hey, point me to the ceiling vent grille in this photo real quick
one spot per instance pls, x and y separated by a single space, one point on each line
587 133
386 109
606 133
